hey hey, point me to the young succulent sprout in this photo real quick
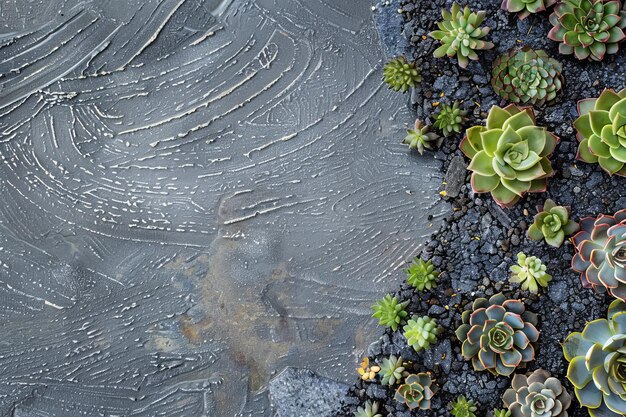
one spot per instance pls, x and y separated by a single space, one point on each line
526 76
450 119
537 394
597 363
509 156
460 34
462 407
589 29
390 311
422 275
601 253
498 335
370 409
391 370
420 138
367 372
400 74
416 392
421 332
525 8
530 272
552 223
501 413
601 131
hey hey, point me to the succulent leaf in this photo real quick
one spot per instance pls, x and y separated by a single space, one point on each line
450 119
510 156
530 272
498 335
422 275
391 370
601 131
421 138
597 363
526 76
400 74
370 409
460 34
601 254
589 29
524 8
421 332
390 311
416 392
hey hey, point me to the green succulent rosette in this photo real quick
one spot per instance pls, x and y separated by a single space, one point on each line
552 223
421 138
537 394
390 311
597 363
510 156
400 74
422 275
526 76
589 29
525 8
460 34
462 407
421 332
601 130
416 392
530 272
497 335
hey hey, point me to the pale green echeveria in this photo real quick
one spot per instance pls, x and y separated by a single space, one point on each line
390 311
421 137
597 363
537 394
510 156
601 130
391 370
525 8
369 409
530 272
460 34
552 223
421 332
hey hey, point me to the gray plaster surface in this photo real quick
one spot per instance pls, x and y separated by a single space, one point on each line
195 195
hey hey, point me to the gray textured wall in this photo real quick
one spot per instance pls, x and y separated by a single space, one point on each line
195 194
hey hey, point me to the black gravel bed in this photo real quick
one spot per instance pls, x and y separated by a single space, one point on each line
479 241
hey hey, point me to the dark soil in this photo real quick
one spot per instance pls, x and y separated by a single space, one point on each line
479 241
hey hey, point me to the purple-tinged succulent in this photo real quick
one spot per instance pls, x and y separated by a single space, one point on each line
601 254
417 391
525 8
498 334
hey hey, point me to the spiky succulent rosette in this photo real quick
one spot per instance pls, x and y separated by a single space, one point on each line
498 334
421 137
526 76
537 394
601 253
588 28
597 363
509 155
601 130
460 34
525 8
417 391
400 74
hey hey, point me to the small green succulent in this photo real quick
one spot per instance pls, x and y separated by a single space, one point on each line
460 34
530 272
552 223
462 407
416 392
390 311
391 370
537 394
450 119
501 413
525 8
601 130
422 275
370 409
510 156
400 74
421 138
526 76
588 28
597 363
421 332
498 334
